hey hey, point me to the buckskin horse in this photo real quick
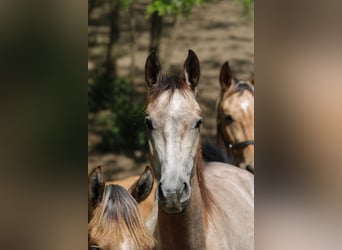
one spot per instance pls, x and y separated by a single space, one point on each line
235 119
114 217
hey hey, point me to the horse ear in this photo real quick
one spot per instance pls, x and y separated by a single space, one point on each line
152 69
96 186
142 188
226 76
192 70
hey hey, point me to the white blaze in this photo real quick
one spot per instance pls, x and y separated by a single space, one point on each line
244 105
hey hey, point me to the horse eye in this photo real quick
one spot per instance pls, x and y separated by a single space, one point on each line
228 119
148 123
199 123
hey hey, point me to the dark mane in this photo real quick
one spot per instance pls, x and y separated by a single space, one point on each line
119 203
241 86
167 83
118 216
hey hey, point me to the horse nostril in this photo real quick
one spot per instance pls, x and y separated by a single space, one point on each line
183 188
185 192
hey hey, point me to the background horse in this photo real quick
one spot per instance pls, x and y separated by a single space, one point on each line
197 208
115 220
235 119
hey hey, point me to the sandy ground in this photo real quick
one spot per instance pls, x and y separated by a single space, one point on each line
216 31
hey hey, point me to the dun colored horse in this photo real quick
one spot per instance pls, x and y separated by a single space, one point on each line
138 187
198 207
115 220
235 119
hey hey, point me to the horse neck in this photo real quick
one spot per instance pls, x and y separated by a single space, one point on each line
186 230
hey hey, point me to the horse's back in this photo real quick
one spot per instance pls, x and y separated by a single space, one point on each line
233 220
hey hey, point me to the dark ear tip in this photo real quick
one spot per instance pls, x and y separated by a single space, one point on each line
148 169
191 53
152 55
96 170
226 64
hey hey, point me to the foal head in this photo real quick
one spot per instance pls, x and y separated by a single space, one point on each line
115 220
173 120
236 118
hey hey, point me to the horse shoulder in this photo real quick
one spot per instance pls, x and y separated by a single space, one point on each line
233 216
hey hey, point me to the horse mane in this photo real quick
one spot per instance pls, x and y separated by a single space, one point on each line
206 196
240 87
118 217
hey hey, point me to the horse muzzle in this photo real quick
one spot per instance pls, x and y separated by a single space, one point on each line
172 201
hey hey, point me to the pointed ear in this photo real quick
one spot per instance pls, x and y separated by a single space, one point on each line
192 70
142 188
226 76
96 186
152 69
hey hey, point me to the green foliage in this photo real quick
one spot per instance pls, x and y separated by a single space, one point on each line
122 127
248 7
122 3
175 7
100 91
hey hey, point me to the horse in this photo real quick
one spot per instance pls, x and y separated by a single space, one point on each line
197 206
215 152
142 188
235 118
114 218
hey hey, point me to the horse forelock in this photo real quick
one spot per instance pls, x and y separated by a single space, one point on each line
238 87
168 83
118 218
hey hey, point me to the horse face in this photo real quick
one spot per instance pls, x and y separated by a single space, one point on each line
173 136
173 120
237 120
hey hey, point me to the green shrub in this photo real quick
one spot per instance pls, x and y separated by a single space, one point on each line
122 128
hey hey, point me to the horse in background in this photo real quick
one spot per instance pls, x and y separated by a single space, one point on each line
114 217
235 118
197 206
214 152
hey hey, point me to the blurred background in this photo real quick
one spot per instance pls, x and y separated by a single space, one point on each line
45 111
120 36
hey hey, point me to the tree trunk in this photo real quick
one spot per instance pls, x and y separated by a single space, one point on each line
114 20
171 43
133 33
156 31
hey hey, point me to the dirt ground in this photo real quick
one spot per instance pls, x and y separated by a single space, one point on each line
216 31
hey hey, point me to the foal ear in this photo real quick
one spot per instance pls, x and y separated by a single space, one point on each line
142 188
226 76
192 70
152 69
96 186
